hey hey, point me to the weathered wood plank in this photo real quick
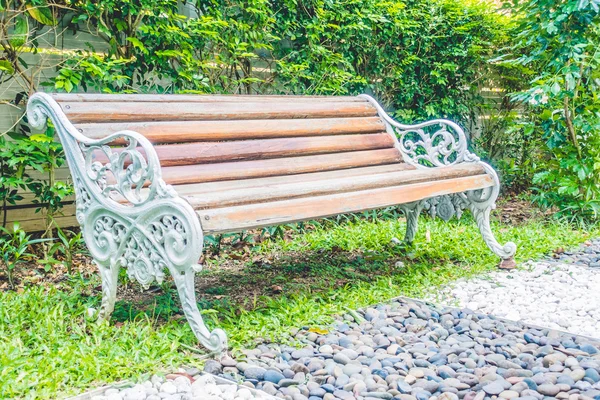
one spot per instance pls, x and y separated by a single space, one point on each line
196 131
195 98
230 219
38 224
292 190
123 112
31 221
293 165
284 191
208 187
28 198
198 153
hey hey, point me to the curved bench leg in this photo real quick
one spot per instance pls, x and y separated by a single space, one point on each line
482 217
110 276
481 203
215 341
411 212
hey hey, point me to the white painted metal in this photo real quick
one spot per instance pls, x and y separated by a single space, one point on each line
152 232
446 145
157 230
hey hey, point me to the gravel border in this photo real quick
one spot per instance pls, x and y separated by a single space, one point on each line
550 293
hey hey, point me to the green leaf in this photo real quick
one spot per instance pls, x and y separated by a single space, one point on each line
138 44
570 81
40 138
6 66
546 114
43 14
21 32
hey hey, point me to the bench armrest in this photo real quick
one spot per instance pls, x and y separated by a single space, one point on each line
128 215
129 174
435 143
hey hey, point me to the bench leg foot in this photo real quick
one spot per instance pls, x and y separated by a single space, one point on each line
411 212
482 217
215 341
110 276
481 203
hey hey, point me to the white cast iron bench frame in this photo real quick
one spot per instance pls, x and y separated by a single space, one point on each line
152 229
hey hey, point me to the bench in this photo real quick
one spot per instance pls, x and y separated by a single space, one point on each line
154 173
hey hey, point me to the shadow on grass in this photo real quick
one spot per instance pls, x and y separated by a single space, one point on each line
247 285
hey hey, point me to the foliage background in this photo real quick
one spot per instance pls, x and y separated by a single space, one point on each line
421 59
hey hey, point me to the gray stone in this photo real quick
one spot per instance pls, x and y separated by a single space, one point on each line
548 389
494 388
351 369
257 373
319 392
273 376
592 374
377 395
343 394
213 367
302 353
288 382
341 358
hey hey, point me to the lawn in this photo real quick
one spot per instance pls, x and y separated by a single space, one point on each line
50 348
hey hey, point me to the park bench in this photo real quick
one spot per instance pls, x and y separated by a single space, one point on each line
154 173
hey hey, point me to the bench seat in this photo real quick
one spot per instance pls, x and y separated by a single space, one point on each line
254 203
154 173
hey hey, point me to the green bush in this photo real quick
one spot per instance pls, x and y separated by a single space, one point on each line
421 58
559 42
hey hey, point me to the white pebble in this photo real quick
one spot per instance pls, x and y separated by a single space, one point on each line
558 296
168 387
244 393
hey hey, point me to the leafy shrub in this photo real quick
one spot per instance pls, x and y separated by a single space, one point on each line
18 157
14 247
420 58
559 41
153 48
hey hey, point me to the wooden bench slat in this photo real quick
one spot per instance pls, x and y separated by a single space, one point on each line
284 191
208 187
192 131
293 165
201 153
197 189
230 219
123 111
194 98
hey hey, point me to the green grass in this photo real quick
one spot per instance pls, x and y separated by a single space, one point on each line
49 348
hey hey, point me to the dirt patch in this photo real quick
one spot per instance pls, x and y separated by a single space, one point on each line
516 211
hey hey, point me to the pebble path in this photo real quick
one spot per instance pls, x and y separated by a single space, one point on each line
406 350
561 293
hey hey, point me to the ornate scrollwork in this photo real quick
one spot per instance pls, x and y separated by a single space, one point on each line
434 143
447 206
481 202
128 174
129 216
126 171
147 249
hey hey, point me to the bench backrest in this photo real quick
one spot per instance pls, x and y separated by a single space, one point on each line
247 136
